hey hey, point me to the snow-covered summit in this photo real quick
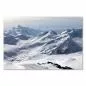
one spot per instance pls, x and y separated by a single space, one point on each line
18 33
50 33
62 43
73 32
21 30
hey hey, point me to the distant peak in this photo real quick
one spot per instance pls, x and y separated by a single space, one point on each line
52 32
73 32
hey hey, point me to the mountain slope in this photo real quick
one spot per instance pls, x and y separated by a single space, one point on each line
62 44
13 35
48 50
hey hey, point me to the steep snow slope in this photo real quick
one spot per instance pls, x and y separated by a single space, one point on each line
73 61
61 44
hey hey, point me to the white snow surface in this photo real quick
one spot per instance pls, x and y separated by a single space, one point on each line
30 59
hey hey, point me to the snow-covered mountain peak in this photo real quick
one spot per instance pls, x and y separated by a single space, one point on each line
62 44
47 36
51 32
21 30
67 32
19 33
73 33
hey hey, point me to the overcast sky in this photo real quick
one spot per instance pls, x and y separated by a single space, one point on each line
45 22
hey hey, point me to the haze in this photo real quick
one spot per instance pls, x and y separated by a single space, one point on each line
44 23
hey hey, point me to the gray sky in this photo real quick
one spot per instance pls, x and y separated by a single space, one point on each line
45 22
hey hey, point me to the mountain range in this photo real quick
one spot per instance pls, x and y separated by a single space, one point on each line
50 41
23 43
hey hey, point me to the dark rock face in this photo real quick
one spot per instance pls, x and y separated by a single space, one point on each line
59 66
23 37
75 32
71 47
10 54
43 33
68 46
10 40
